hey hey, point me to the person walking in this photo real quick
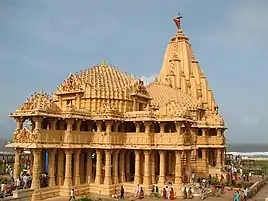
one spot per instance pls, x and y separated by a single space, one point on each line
72 195
122 192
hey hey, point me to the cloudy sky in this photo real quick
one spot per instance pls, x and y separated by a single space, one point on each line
42 41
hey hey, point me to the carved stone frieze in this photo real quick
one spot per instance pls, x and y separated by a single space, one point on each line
24 136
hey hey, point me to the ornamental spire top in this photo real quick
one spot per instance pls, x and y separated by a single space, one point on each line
177 21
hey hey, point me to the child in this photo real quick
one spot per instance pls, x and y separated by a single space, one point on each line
72 195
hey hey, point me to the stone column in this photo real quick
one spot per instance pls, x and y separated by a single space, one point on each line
178 127
53 123
60 167
89 166
122 166
204 154
107 178
162 127
17 164
77 166
218 159
137 124
99 126
137 167
188 165
51 167
37 123
162 171
153 167
36 169
115 167
19 123
109 125
127 166
68 168
78 125
147 173
178 177
98 177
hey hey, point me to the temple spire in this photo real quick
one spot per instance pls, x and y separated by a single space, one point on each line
177 21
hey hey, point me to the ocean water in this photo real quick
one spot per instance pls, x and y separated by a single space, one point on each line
250 154
248 150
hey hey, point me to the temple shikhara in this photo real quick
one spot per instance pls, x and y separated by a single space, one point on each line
103 128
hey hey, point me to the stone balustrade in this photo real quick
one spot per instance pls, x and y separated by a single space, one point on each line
211 140
88 139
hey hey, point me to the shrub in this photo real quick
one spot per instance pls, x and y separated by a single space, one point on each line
84 199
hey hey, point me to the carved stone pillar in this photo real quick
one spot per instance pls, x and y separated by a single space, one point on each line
60 167
109 125
134 104
78 125
162 127
115 167
219 132
138 124
37 123
89 166
99 126
68 168
19 123
147 173
53 123
122 166
204 132
147 127
107 178
69 124
169 162
17 164
36 169
204 154
178 127
153 167
178 177
137 167
188 164
51 170
218 159
98 177
77 166
162 171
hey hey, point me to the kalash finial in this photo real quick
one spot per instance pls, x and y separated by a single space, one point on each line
177 21
103 63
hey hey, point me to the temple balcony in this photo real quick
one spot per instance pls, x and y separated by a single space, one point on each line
210 140
89 139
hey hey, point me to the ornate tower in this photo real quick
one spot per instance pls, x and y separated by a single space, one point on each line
181 70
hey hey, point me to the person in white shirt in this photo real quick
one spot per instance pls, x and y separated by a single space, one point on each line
2 187
18 182
137 192
72 195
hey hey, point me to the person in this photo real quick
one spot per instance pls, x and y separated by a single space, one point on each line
164 193
236 196
249 175
190 193
156 190
122 192
185 193
167 192
141 193
172 194
72 195
153 189
137 192
245 193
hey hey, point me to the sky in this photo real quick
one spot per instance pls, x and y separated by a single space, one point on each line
41 42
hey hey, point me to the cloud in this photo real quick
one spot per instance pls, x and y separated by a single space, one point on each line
148 79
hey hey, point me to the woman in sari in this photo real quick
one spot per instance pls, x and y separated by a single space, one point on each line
237 196
164 193
172 194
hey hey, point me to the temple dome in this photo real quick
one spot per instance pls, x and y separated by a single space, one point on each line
99 81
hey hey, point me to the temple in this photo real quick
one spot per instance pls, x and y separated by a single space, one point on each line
103 128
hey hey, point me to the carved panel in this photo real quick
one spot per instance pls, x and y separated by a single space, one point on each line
24 136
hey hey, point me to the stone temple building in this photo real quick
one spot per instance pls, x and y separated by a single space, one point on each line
102 128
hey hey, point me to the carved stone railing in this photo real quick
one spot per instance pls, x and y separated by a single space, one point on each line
97 139
202 140
210 140
216 140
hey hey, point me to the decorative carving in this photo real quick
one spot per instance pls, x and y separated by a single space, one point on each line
39 101
24 136
72 83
